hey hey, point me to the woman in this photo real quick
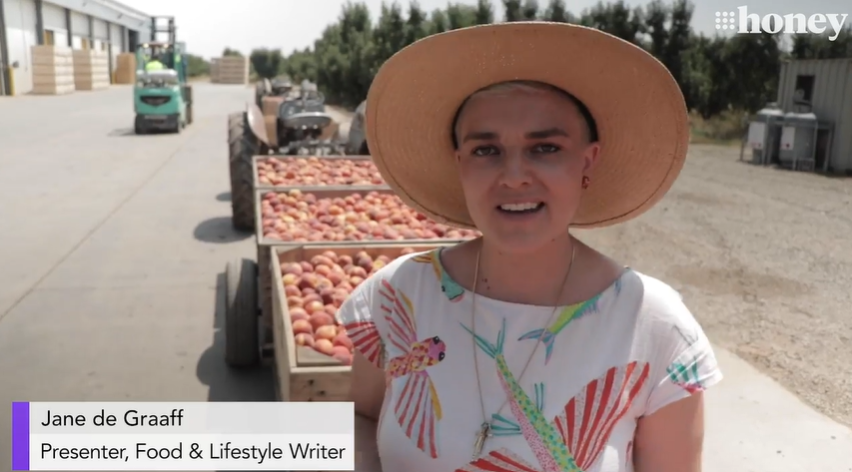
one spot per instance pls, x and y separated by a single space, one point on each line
525 349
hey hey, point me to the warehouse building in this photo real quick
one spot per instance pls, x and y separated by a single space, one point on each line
104 25
823 87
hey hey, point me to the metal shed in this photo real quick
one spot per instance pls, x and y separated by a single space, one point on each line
826 86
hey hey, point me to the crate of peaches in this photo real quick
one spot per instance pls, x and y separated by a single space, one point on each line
312 171
313 351
335 216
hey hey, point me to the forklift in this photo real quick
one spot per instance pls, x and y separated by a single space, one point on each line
162 97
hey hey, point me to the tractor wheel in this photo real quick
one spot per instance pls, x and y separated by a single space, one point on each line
364 151
189 114
242 319
242 146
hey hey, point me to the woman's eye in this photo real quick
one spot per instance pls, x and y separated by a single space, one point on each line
485 151
546 148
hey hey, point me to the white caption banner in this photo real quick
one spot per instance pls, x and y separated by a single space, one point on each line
121 452
178 436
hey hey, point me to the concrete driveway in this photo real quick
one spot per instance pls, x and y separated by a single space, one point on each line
112 251
113 248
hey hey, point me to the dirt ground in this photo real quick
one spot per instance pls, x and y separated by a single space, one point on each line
763 257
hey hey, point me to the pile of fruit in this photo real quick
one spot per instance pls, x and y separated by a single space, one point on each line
313 171
298 216
315 289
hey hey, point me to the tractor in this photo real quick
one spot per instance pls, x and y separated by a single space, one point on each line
162 98
277 87
294 123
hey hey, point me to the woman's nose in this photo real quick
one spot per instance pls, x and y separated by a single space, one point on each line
515 169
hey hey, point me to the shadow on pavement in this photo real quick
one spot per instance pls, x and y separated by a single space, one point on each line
226 384
219 230
224 197
122 132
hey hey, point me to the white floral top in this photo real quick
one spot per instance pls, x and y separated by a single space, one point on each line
602 364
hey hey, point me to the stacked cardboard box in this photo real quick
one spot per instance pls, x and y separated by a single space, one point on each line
125 68
53 70
231 70
91 70
214 70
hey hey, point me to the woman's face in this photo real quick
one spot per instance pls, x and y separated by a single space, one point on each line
522 155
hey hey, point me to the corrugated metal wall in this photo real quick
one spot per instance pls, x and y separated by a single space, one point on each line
832 101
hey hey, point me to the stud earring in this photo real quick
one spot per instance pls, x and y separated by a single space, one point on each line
585 183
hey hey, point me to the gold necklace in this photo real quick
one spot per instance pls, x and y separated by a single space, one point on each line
485 429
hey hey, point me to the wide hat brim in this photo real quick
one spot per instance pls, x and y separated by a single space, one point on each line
637 105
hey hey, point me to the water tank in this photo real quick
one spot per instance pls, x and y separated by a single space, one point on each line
798 138
764 134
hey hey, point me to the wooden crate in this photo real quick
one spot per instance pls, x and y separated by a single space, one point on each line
230 70
91 70
305 375
265 246
53 70
125 68
256 173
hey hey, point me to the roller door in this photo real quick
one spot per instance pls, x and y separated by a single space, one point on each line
54 24
80 30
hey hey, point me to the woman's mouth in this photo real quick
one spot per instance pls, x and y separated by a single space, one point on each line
520 208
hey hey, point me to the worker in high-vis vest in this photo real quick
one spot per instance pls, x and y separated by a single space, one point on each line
154 65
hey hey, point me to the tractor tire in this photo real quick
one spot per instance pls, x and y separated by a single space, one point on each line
364 151
189 114
242 146
242 317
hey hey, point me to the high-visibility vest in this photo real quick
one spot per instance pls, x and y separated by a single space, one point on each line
154 65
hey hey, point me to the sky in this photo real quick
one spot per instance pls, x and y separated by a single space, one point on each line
208 27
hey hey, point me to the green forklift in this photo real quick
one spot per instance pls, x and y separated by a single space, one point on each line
162 98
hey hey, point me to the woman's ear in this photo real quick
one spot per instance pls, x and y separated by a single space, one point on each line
590 156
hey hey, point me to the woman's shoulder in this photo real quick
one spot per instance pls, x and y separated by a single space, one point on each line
655 300
669 337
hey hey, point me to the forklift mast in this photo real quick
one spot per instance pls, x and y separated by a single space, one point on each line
175 50
163 24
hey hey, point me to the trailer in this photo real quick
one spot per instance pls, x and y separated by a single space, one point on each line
257 318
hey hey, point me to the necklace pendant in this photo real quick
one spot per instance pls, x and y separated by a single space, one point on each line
483 434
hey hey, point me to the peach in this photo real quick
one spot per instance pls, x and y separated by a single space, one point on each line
291 268
302 326
314 307
343 355
328 332
342 339
299 314
290 279
324 346
321 318
304 339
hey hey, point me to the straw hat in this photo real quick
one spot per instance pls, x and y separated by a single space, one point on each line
637 106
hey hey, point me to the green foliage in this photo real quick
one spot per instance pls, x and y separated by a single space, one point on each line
716 74
196 66
231 52
266 63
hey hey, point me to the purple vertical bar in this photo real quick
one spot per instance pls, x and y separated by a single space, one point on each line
20 436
